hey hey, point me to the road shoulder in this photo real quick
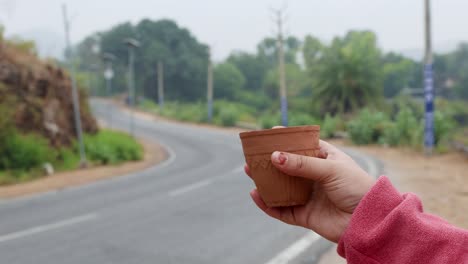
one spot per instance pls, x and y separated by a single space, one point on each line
153 154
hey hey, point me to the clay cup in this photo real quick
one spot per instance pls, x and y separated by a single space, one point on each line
275 187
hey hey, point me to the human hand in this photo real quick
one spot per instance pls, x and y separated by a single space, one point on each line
339 186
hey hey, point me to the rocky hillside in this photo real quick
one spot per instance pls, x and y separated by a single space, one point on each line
36 96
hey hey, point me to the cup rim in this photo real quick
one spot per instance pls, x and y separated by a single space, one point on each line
294 129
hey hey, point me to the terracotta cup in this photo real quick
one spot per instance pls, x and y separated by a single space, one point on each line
275 187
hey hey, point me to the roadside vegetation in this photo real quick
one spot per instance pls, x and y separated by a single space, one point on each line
23 156
36 119
349 86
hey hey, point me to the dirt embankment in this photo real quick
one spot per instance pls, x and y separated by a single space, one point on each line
37 95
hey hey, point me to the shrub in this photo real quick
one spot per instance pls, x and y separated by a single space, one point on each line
329 126
149 105
403 131
24 152
368 127
111 147
301 119
228 116
270 120
444 128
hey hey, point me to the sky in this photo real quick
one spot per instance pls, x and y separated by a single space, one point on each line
241 24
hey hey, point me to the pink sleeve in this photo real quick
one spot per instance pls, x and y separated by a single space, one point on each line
388 227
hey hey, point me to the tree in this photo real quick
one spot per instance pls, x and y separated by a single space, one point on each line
252 66
398 73
296 82
228 81
268 50
346 75
185 59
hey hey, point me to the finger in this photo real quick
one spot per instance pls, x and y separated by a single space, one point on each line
271 211
323 154
247 170
284 214
326 147
302 166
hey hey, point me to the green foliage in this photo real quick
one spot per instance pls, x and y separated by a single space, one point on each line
185 59
329 126
228 81
451 79
404 131
112 147
400 72
297 82
269 120
24 152
148 105
253 68
228 117
444 128
368 127
67 159
347 74
257 100
301 119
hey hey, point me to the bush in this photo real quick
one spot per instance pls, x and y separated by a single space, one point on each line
404 131
112 147
24 152
329 126
444 128
368 127
258 101
268 121
191 112
228 117
149 105
301 119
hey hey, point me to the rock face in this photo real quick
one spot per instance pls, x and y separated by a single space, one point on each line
37 95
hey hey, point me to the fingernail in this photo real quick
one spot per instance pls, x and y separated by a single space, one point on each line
279 158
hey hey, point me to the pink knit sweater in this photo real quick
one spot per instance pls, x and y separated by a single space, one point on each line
388 227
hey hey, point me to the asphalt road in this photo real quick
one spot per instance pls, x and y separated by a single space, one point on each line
192 208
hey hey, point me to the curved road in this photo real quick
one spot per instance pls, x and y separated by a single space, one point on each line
192 208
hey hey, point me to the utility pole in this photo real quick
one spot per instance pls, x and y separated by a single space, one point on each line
75 98
132 44
160 85
429 93
210 91
108 58
279 21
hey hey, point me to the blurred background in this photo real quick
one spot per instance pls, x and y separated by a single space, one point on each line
387 79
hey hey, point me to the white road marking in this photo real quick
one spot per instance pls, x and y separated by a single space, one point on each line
295 249
190 187
44 228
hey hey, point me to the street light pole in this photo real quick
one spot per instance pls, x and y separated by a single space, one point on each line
132 45
428 83
75 98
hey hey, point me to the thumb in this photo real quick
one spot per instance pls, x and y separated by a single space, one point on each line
302 166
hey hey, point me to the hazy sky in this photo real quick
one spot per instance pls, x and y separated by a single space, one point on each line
241 24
